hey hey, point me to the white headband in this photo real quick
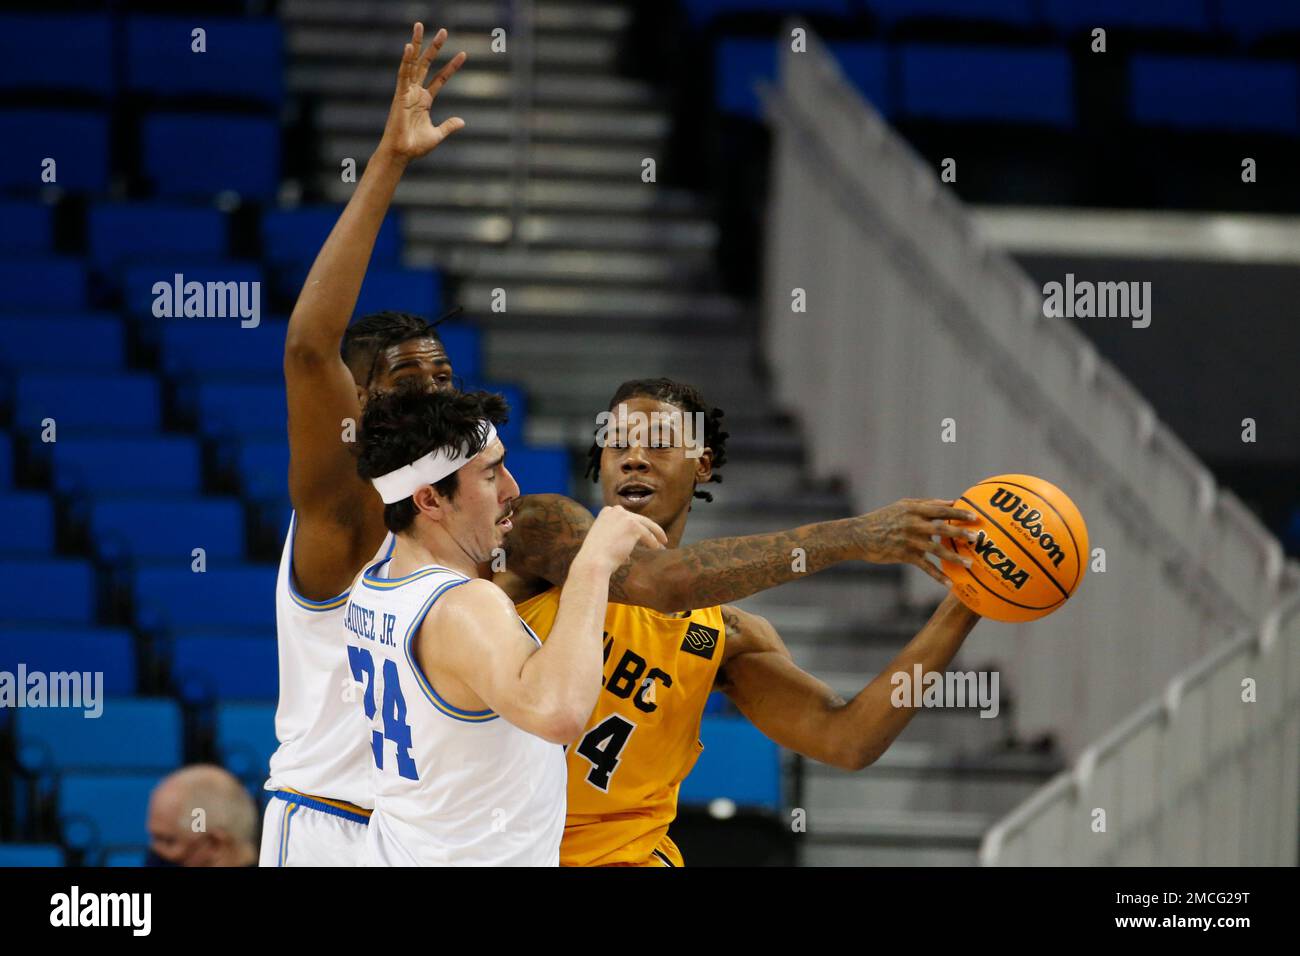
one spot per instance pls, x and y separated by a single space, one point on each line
432 468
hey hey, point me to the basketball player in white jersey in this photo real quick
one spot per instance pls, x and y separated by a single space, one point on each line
468 710
318 780
320 772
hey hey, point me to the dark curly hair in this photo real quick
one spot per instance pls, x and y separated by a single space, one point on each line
368 337
406 423
685 397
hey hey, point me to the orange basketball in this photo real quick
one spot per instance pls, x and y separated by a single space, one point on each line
1030 553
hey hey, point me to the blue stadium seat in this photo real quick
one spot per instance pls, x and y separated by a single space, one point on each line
218 347
740 64
243 58
35 50
47 590
6 460
1212 94
701 12
105 809
42 284
30 854
139 283
738 763
540 470
241 409
76 141
1017 13
263 468
226 668
106 650
971 84
1190 16
79 401
168 529
134 856
246 739
294 236
28 520
168 464
743 62
96 341
866 65
464 345
192 155
177 599
26 227
404 290
121 232
132 733
1252 20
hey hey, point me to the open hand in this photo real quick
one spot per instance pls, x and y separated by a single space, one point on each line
410 132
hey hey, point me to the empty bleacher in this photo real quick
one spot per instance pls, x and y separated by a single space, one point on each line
143 450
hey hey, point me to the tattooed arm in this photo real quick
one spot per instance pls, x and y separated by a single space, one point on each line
548 530
803 714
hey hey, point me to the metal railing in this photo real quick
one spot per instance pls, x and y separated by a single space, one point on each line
911 323
1208 774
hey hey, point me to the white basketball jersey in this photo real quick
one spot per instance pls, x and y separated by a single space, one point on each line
452 787
324 741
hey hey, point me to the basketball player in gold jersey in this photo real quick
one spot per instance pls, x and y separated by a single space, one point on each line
643 737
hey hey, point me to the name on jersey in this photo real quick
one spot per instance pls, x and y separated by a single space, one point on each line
633 678
360 620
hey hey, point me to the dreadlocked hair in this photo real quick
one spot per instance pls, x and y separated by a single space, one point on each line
370 335
410 421
689 401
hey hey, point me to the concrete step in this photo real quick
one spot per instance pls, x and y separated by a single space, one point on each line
642 233
484 15
816 853
867 827
953 785
592 267
612 305
560 89
472 152
366 118
356 43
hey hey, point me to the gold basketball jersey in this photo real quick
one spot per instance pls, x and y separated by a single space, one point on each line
644 735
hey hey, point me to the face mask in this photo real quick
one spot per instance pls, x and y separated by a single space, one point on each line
153 859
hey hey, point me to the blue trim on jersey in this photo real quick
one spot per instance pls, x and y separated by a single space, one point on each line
455 713
368 579
531 632
329 604
299 800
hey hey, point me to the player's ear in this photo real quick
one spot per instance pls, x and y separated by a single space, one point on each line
704 466
428 502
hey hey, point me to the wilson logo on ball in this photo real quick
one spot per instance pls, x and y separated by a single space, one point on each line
1029 549
1028 518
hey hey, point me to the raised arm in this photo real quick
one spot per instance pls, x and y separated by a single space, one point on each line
800 712
548 530
339 517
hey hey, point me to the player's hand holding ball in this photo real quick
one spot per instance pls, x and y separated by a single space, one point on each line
1029 551
904 533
